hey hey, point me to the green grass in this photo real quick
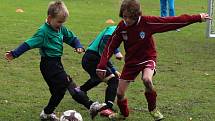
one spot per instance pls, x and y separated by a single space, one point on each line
185 78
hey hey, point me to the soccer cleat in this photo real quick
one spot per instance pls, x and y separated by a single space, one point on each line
48 117
116 116
106 112
156 114
94 109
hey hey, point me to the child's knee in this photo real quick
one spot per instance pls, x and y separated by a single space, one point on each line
113 82
106 79
147 82
70 82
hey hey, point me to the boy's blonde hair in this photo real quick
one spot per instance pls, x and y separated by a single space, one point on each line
56 8
133 7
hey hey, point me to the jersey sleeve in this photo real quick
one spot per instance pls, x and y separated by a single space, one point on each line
113 43
116 51
20 50
36 41
71 39
111 66
163 24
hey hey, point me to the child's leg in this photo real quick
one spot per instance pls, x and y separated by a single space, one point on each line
122 102
89 84
111 90
89 64
151 99
150 93
79 96
57 85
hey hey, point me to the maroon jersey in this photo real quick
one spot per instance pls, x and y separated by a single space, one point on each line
138 41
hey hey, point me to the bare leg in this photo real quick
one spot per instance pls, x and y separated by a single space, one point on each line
150 92
122 102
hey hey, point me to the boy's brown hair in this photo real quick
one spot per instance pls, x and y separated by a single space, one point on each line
133 7
56 8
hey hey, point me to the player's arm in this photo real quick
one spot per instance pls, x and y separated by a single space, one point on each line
205 17
70 39
163 24
10 55
35 41
113 43
113 69
118 54
77 45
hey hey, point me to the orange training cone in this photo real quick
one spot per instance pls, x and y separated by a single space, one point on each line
19 10
109 21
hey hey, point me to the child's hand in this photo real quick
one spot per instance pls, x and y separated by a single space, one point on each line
205 16
119 56
79 50
101 73
8 55
117 74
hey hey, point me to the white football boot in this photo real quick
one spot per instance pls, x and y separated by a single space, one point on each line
48 117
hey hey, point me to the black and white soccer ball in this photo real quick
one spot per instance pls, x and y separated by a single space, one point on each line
71 115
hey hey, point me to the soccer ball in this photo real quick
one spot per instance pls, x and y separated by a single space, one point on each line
71 115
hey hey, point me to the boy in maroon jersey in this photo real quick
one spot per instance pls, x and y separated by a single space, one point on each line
136 32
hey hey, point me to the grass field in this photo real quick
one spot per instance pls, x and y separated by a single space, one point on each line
185 80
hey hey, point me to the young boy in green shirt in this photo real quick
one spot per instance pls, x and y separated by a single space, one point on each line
49 39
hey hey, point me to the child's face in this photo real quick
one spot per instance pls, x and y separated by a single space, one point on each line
56 22
127 17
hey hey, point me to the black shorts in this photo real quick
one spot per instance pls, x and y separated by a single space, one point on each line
54 74
90 61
